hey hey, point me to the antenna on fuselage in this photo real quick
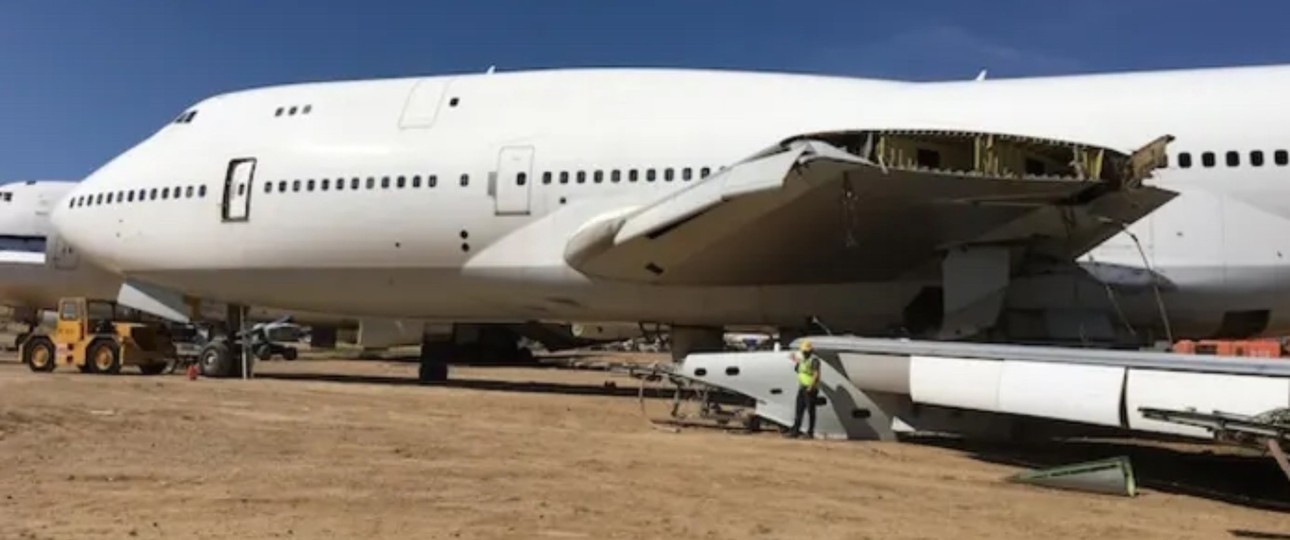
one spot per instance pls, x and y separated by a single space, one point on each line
491 69
980 76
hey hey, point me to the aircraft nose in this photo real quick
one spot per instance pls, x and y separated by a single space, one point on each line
78 218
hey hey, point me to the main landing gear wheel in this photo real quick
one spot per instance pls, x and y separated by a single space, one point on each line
104 357
434 362
39 355
216 359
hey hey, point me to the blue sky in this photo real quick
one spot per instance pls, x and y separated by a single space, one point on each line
82 80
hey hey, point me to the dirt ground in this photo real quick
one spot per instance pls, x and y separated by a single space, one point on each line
354 449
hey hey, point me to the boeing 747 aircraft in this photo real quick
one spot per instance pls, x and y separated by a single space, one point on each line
1110 208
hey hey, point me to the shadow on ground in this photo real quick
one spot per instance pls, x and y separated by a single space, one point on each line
623 387
1245 478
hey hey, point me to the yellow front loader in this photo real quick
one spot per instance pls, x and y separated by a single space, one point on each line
98 336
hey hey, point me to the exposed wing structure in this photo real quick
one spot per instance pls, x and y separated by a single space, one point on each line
874 205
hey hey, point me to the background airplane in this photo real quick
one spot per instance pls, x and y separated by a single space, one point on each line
1002 209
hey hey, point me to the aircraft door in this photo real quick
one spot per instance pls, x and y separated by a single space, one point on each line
237 189
514 180
61 253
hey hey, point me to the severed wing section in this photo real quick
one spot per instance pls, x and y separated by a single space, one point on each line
874 205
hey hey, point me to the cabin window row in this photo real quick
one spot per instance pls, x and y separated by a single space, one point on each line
293 110
1232 158
355 184
138 195
632 175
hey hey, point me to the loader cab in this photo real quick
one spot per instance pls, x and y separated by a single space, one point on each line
78 318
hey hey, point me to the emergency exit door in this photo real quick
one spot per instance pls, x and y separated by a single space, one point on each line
514 180
237 189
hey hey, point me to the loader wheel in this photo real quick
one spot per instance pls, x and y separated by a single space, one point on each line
39 354
104 357
290 353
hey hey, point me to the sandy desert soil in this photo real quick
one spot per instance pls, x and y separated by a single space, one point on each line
354 449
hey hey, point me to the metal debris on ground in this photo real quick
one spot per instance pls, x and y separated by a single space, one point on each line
1109 476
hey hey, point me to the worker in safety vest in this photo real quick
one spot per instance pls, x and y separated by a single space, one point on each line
807 366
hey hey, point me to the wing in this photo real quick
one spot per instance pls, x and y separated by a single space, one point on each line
872 206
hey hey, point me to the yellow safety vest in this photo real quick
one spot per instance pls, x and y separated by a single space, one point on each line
804 373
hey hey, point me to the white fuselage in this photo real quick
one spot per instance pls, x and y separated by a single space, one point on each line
37 268
429 199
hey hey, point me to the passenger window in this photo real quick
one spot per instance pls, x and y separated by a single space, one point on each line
432 180
582 177
165 192
326 184
278 112
385 182
1207 159
309 185
667 174
631 175
1233 158
546 177
188 192
353 184
292 111
416 181
400 182
1184 160
704 172
649 175
371 182
564 177
465 180
615 176
1256 158
268 187
685 174
129 196
282 186
295 185
109 198
1280 157
152 194
521 179
201 190
308 109
598 177
340 184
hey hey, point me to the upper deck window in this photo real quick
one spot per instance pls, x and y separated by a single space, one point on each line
6 196
185 118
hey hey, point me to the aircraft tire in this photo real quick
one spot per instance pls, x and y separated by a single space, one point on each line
216 360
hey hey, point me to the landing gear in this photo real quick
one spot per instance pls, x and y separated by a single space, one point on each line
470 344
223 355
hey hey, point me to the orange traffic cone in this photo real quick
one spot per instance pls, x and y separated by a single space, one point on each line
192 372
